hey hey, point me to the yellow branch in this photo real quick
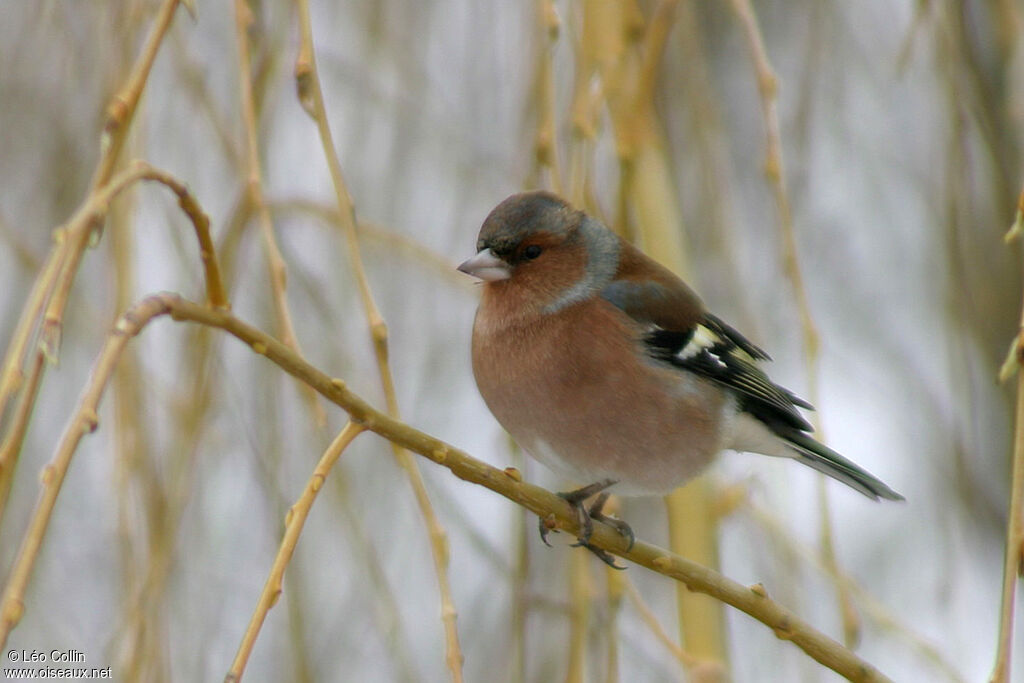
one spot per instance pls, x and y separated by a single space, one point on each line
254 183
50 290
751 600
92 213
767 86
1014 552
294 522
311 97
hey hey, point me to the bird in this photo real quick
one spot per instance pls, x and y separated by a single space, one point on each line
606 367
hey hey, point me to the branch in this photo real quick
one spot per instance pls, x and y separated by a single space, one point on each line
311 97
92 213
65 254
1014 554
752 600
278 271
294 521
767 86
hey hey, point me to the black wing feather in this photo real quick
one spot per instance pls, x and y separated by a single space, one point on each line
723 362
726 357
718 326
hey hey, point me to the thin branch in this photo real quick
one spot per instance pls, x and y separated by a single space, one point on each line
310 93
84 421
12 376
579 617
767 86
216 295
1014 552
254 184
11 445
65 254
121 109
751 600
872 606
397 243
661 25
651 620
545 142
294 522
616 586
88 215
50 290
120 113
519 581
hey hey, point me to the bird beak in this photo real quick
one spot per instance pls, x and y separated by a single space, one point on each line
487 267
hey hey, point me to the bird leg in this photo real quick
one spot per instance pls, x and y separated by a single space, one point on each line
585 517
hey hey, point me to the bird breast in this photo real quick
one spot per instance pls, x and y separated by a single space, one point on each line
577 391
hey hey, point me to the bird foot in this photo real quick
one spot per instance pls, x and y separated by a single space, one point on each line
602 555
624 529
585 517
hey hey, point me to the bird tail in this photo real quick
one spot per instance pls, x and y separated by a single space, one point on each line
827 461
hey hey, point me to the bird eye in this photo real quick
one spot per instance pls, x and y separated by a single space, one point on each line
532 251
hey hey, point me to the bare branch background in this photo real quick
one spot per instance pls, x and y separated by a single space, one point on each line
901 128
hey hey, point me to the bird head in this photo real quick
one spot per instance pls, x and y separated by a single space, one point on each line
537 246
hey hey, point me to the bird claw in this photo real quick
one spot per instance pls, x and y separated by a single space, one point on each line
603 555
624 529
585 518
546 525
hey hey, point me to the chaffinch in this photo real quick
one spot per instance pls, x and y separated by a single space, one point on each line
606 367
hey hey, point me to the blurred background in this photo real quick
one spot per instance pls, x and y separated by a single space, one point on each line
887 145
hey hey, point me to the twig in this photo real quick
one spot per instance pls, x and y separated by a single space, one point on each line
12 377
310 95
120 113
396 242
84 421
87 216
545 143
254 184
294 522
1014 553
519 582
216 295
751 600
872 607
655 627
50 290
616 586
584 115
121 109
65 254
579 616
615 45
654 49
10 447
767 86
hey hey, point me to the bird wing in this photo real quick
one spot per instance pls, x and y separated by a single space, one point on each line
682 333
719 353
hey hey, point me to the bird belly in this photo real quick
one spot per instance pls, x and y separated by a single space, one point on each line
649 445
590 411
